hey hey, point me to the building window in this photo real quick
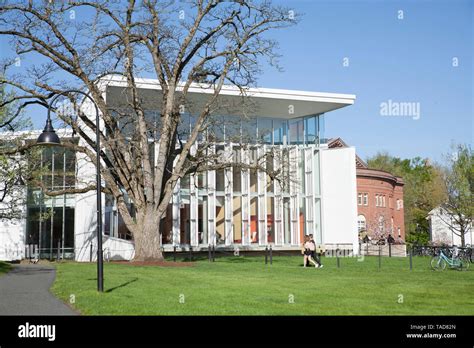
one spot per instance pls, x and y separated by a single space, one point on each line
110 216
220 220
265 130
253 220
236 171
380 201
311 130
203 219
286 220
363 199
279 132
270 220
381 224
167 226
185 216
220 180
202 181
361 223
269 166
296 131
399 204
237 220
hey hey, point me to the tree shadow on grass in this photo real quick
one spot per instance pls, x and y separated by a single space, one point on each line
121 285
118 286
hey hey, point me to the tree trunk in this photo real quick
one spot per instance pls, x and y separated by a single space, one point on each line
147 238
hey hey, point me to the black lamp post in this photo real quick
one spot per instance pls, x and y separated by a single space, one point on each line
50 138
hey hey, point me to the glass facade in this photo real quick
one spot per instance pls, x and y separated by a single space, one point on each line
228 207
236 206
50 220
260 130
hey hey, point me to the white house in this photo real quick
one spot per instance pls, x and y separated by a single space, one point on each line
440 231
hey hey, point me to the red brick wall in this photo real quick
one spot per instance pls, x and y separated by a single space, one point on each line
374 184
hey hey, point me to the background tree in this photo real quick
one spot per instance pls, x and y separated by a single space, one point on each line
423 191
458 209
77 43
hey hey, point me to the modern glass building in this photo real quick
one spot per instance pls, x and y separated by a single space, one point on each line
245 207
242 208
228 208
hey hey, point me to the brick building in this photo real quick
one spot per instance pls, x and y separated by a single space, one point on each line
379 200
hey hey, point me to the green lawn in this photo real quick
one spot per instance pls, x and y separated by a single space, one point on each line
245 286
4 267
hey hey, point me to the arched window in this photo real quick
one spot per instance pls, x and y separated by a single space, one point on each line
361 223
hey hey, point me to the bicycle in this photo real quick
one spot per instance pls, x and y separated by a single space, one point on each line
466 253
439 262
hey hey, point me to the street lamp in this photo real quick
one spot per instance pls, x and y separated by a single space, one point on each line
50 138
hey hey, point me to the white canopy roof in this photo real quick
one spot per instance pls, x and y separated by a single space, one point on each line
264 102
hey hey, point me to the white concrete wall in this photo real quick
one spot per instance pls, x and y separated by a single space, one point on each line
12 235
85 226
441 233
12 239
85 214
118 249
339 197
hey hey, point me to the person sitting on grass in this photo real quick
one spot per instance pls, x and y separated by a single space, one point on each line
307 250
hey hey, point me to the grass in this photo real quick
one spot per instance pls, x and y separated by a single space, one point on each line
245 286
4 267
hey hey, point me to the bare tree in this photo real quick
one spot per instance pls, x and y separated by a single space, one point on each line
80 42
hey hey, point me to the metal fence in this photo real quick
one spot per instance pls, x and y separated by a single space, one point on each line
395 250
33 252
407 256
339 252
428 250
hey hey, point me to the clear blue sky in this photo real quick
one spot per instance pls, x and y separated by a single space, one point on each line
409 60
403 60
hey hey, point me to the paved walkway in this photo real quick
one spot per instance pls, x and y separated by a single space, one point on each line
25 291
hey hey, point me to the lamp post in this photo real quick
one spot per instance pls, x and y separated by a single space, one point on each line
50 138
